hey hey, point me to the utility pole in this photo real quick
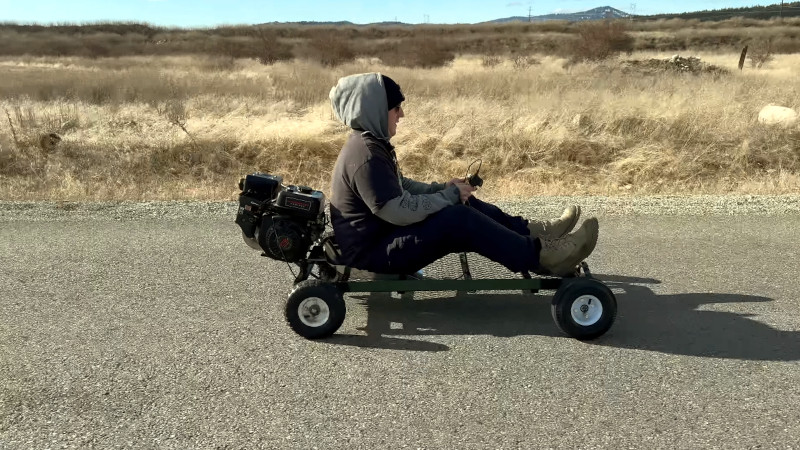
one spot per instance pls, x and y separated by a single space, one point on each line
633 10
529 14
781 9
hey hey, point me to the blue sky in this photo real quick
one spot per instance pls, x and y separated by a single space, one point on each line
206 13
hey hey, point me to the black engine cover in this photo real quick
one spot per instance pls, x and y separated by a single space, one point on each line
283 239
248 215
261 186
300 201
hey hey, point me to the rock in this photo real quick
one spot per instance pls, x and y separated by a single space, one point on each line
777 115
48 142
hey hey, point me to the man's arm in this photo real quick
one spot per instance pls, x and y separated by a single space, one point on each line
377 185
409 208
418 187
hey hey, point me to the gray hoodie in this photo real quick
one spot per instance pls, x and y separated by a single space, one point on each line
359 101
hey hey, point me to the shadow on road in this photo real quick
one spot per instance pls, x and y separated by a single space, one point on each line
646 321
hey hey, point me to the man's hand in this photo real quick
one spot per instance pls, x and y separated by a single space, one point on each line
454 181
465 190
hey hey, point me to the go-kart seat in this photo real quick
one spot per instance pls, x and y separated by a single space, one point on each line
333 254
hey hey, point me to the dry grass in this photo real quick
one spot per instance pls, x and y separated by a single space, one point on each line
547 128
418 46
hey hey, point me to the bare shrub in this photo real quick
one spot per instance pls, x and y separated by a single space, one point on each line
270 49
417 52
174 108
491 61
522 62
601 40
329 50
761 55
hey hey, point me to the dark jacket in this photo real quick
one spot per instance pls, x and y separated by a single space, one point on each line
369 194
368 199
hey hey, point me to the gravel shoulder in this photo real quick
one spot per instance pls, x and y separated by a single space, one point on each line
699 205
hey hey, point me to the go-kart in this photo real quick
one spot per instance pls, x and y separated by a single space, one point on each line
289 223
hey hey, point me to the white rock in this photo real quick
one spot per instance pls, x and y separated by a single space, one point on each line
777 115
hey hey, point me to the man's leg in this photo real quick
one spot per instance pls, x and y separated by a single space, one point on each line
514 223
457 228
545 229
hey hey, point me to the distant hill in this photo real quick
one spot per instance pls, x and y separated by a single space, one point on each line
343 23
606 12
603 12
791 9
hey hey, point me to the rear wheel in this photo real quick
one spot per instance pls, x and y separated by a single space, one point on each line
584 308
315 309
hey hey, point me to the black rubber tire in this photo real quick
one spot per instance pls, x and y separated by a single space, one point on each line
327 293
570 291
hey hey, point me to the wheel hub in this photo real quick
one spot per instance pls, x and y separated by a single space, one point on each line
586 310
313 312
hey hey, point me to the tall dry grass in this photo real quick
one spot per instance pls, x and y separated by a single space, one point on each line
548 128
408 46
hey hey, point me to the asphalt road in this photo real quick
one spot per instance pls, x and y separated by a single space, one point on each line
169 333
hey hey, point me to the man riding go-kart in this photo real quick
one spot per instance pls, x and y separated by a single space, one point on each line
387 223
390 227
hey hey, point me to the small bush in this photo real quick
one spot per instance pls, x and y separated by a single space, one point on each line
417 52
329 50
522 62
601 40
270 50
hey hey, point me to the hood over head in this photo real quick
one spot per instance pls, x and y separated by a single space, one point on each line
359 101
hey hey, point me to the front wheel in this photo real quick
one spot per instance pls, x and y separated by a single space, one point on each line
584 308
315 309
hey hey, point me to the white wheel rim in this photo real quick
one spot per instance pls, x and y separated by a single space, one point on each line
586 310
313 312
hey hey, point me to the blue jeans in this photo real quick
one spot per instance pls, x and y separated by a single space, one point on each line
478 227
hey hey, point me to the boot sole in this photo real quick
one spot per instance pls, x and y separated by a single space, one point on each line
574 221
593 241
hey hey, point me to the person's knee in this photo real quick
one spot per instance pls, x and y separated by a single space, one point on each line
458 217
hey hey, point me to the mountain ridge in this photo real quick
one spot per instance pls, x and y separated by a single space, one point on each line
599 13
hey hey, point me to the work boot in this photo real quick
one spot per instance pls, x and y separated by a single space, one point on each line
555 228
560 256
